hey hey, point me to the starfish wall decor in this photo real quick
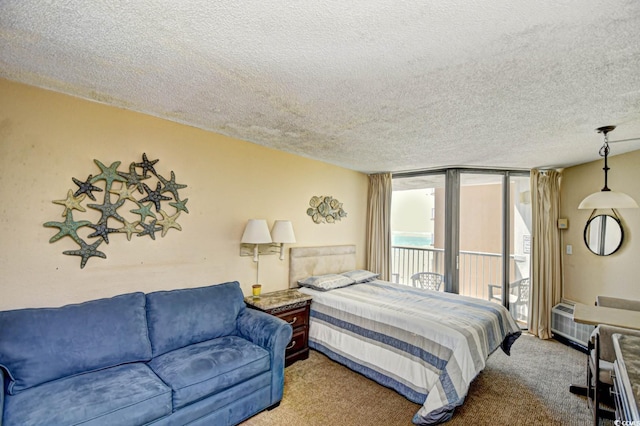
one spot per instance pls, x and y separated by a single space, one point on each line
124 199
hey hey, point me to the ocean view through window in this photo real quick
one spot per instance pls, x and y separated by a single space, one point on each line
408 239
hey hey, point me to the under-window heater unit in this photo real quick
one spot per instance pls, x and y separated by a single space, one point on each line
563 325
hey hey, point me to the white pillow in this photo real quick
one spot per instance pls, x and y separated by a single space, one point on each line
326 282
361 275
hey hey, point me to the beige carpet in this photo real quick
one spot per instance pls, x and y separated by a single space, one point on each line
531 387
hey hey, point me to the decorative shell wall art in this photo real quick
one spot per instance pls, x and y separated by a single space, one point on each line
325 209
128 194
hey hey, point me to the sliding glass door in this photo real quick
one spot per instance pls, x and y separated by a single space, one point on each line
480 254
471 227
520 248
417 227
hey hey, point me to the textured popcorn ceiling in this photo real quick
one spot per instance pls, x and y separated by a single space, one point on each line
369 85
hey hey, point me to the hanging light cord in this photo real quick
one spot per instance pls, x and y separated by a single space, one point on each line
604 152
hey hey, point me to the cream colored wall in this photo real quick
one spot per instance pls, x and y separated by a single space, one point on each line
585 274
47 138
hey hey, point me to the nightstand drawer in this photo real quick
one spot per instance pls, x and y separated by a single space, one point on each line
298 341
297 317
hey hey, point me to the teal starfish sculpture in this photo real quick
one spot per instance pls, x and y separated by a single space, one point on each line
149 229
154 196
169 222
110 174
108 210
72 202
68 227
86 251
86 187
180 205
147 165
134 178
143 211
171 185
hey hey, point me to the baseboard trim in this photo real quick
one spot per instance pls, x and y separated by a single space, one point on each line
571 343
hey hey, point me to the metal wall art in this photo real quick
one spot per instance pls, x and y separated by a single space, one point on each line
325 209
125 197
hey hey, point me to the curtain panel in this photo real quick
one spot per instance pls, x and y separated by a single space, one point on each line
546 269
379 225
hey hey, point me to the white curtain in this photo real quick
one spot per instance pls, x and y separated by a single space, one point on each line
379 225
546 282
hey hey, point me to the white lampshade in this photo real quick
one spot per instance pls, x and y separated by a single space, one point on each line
608 200
256 232
282 232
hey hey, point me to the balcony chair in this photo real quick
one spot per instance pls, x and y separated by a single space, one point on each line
427 280
518 297
601 358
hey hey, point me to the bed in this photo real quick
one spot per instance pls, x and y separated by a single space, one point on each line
426 345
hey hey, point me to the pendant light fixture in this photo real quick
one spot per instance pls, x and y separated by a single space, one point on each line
606 198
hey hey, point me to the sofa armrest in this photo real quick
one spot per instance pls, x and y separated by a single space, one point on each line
617 303
274 335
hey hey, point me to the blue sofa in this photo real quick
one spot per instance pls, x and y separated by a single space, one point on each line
195 356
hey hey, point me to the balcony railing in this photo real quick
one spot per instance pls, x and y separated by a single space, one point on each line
477 270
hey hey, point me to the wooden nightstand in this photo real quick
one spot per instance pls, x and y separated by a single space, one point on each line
293 307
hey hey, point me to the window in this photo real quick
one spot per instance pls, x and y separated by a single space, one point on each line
471 226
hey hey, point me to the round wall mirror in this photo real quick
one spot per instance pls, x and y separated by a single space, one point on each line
603 234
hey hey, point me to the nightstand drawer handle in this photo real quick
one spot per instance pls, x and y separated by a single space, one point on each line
293 321
292 344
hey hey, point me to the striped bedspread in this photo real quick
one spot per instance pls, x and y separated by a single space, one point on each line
426 345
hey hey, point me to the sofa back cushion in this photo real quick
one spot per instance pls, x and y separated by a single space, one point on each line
44 344
179 318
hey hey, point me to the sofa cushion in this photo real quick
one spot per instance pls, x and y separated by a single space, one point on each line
179 318
124 395
206 368
40 345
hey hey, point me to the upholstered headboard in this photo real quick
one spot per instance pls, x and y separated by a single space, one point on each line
307 261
